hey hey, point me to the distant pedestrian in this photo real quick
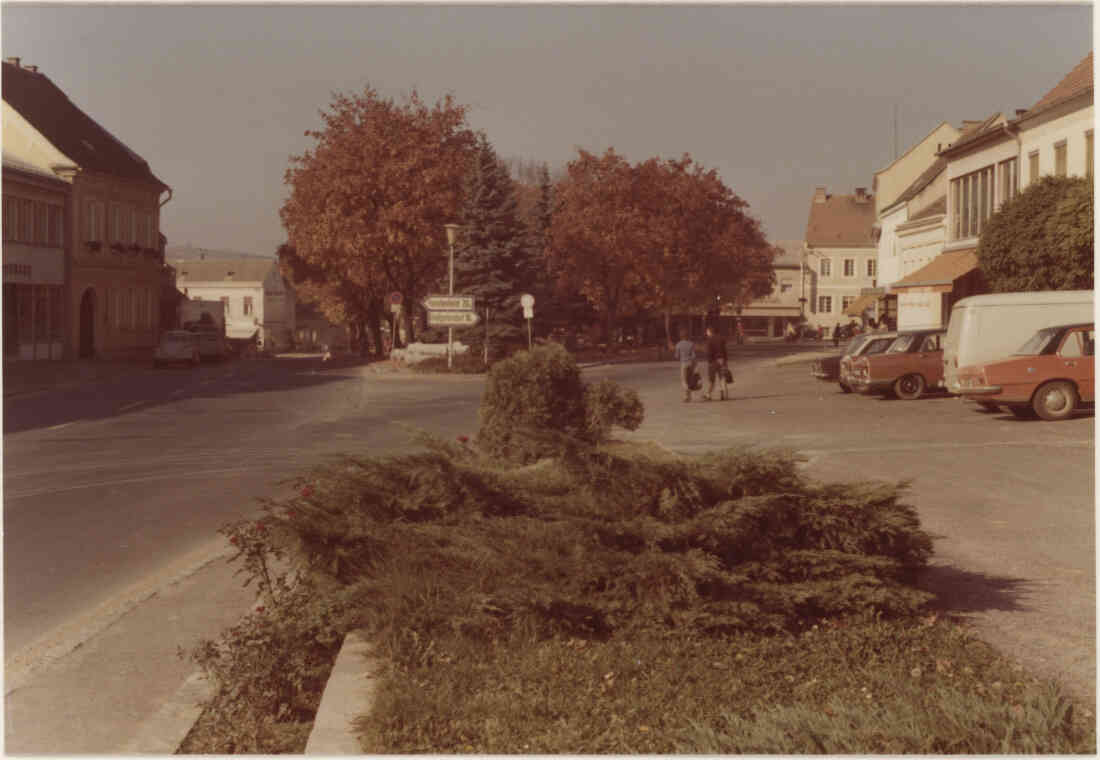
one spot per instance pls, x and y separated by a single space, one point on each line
685 353
836 335
739 332
716 365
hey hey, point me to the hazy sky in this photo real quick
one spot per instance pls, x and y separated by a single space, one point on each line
777 98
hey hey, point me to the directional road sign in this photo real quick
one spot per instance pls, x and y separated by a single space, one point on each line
449 303
452 318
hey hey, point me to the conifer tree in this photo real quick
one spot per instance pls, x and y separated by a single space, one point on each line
489 254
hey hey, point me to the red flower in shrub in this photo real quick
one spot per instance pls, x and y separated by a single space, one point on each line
260 609
307 492
463 439
233 540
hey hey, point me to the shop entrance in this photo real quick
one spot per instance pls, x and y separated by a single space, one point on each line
87 324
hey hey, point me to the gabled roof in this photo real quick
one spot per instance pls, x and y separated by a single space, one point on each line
921 182
841 221
70 130
218 270
975 132
1073 84
913 147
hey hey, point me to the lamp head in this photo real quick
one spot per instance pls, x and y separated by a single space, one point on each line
452 230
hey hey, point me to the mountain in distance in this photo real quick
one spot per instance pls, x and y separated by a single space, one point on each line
193 253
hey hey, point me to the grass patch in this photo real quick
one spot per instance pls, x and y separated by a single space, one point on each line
613 598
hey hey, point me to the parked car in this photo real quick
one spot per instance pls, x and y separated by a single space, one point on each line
991 327
839 368
177 346
1051 375
910 365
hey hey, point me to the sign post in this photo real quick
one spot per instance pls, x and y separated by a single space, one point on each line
450 311
527 301
395 307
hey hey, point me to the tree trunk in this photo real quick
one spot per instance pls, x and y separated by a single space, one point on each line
410 334
373 323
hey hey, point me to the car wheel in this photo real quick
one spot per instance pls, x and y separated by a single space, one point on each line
909 387
845 387
988 406
1055 401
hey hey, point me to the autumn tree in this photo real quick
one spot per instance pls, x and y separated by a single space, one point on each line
661 236
369 202
1042 239
361 307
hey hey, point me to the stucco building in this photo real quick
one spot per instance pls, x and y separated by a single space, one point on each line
841 254
259 302
111 223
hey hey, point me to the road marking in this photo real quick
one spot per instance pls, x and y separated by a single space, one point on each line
131 405
124 481
58 427
1085 443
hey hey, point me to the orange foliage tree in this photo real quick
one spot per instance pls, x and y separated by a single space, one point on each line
367 205
664 236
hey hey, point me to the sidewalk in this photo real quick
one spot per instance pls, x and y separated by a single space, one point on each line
23 377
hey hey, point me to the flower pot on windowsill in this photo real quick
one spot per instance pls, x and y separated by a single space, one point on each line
93 245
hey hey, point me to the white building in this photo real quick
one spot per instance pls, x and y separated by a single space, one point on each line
841 255
258 301
986 167
767 316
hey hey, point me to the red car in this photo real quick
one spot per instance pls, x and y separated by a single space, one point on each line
912 363
1051 375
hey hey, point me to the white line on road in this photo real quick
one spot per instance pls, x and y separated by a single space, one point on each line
58 427
131 405
163 476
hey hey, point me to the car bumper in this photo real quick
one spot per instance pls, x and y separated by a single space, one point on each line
871 386
981 390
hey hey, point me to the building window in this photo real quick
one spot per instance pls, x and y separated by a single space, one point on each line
26 221
871 265
1032 166
134 225
116 223
846 301
1010 182
150 231
41 222
1060 159
95 220
1088 153
973 202
849 267
56 234
825 304
247 305
11 217
826 268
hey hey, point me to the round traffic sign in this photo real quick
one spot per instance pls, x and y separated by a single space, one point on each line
395 298
527 300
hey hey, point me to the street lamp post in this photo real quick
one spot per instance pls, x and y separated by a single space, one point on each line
452 229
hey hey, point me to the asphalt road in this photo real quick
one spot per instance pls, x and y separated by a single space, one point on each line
113 496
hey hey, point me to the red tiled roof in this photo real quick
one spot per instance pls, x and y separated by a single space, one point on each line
974 132
1074 83
70 130
942 270
841 221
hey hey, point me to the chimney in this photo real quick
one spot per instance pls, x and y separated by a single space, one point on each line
819 194
1020 112
13 61
861 195
33 69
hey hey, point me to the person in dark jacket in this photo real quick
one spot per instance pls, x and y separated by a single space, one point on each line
716 364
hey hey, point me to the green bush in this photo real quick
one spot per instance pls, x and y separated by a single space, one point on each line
467 363
536 404
1042 239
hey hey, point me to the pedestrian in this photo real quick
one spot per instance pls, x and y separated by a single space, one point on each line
685 352
739 332
716 365
836 335
789 332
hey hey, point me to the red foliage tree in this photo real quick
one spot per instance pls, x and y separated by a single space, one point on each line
367 205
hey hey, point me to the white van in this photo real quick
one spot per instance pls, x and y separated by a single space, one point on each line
985 328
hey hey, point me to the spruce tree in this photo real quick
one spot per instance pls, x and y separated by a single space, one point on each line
489 255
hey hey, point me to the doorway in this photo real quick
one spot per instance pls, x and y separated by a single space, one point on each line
87 324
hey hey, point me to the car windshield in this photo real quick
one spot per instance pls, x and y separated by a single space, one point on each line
1038 343
901 344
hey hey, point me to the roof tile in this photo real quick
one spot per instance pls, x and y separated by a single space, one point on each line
1074 83
841 221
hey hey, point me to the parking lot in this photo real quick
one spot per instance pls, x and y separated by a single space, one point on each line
1010 501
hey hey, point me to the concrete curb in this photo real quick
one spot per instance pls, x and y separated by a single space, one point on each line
347 696
163 733
806 357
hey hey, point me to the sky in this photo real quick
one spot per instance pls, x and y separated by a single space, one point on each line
778 99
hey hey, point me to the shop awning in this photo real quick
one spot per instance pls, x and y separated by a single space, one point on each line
861 304
939 275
